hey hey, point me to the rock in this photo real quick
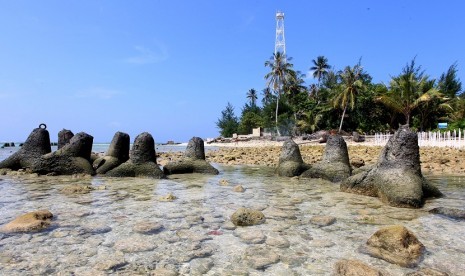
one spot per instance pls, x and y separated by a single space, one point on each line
73 158
96 227
168 197
32 221
64 137
142 160
395 244
193 160
322 220
427 272
290 161
117 153
250 236
77 189
148 228
36 145
260 257
200 266
357 162
449 212
278 241
247 217
239 189
356 137
335 163
224 182
134 244
396 179
163 272
346 267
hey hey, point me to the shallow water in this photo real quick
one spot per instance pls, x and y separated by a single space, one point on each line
96 233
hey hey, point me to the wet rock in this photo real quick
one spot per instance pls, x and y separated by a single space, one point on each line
200 266
449 212
239 189
117 154
277 241
321 243
64 137
164 272
356 268
396 179
29 222
77 189
224 182
427 272
168 197
250 236
96 228
36 145
73 158
148 228
247 217
279 214
322 220
395 244
335 163
134 244
260 257
111 262
142 160
193 160
290 161
228 226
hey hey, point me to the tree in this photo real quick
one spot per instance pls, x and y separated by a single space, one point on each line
449 84
281 73
351 85
320 68
228 123
267 96
252 96
407 91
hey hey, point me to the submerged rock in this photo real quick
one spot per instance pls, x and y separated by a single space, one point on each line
193 160
36 145
395 244
142 160
73 158
449 212
346 267
117 153
335 163
247 217
396 179
32 221
290 161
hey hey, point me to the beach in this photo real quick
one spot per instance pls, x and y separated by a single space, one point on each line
434 160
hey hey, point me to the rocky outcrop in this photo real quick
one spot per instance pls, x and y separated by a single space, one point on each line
36 145
73 158
247 217
396 179
335 163
193 160
346 267
449 212
290 161
395 244
29 222
64 137
142 160
117 154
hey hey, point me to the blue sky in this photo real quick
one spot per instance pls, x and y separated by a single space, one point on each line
170 67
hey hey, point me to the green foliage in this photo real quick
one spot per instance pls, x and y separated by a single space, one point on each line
228 123
449 84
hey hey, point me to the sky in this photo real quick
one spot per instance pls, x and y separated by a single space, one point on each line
170 67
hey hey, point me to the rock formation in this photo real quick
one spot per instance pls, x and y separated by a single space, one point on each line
64 137
142 160
73 158
396 179
346 267
395 244
32 221
335 163
247 217
193 160
117 154
36 145
290 161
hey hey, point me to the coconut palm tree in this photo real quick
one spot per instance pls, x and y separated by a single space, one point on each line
351 85
267 96
280 75
252 96
320 68
408 90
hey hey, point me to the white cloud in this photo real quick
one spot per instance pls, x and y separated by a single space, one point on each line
97 92
146 55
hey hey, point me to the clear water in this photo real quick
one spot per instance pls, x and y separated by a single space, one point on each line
94 233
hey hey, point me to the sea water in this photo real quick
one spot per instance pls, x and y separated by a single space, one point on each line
95 233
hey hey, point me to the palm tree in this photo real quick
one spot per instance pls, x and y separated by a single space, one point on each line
252 96
281 74
351 85
407 91
320 68
267 96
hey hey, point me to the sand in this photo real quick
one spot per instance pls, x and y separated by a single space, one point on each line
434 160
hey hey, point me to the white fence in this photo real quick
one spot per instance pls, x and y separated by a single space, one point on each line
453 139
